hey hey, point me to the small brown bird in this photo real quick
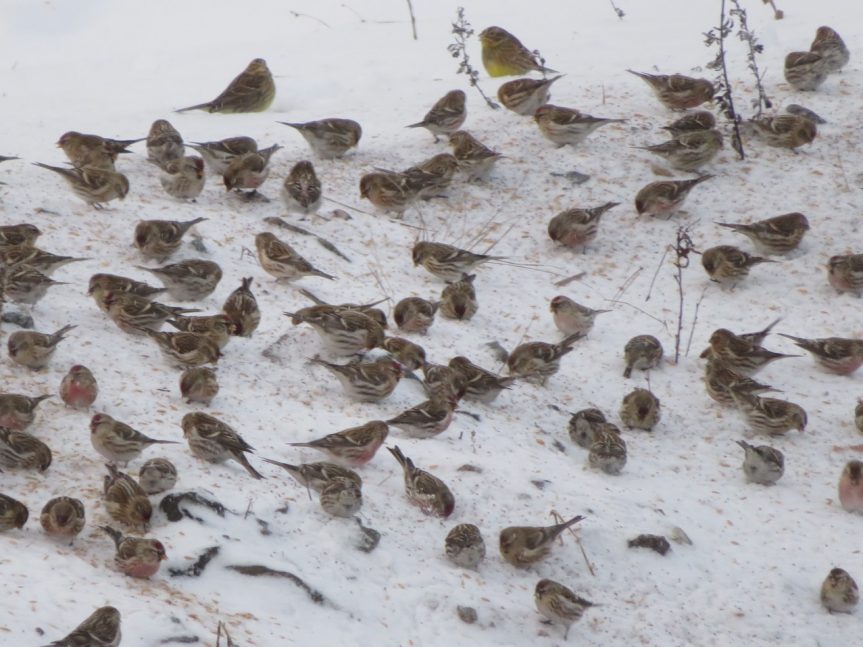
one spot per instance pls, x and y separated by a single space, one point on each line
301 190
252 90
769 415
431 177
577 227
341 498
183 178
218 327
100 629
38 259
858 415
136 557
352 447
524 96
839 592
414 314
642 352
157 475
343 332
117 441
158 239
719 379
85 150
249 171
571 317
778 235
762 464
134 314
838 355
608 450
584 426
728 265
329 138
805 71
504 55
241 307
20 450
424 490
367 309
523 546
199 384
218 155
215 441
446 262
446 116
478 383
678 92
845 273
464 546
279 259
688 151
692 121
63 517
365 381
559 603
410 355
20 234
740 353
187 349
665 197
164 143
786 130
387 191
537 361
95 186
317 476
851 487
13 513
17 411
34 349
458 299
125 501
190 280
831 47
474 158
640 409
427 419
79 389
564 126
102 283
444 381
26 285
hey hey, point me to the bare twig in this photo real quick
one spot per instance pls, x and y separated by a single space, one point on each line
257 570
413 19
695 319
556 516
748 36
626 284
617 10
653 280
569 279
642 311
462 30
682 248
305 15
778 14
725 98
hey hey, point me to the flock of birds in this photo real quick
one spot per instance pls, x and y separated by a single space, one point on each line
379 361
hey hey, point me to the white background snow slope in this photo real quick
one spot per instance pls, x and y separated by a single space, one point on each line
759 554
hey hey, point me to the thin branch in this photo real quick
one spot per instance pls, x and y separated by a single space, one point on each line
725 98
778 14
695 319
626 284
682 248
618 11
655 274
413 19
462 30
748 36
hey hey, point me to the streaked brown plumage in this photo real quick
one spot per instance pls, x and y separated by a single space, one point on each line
642 352
26 285
676 91
465 546
665 197
426 491
365 381
410 355
559 603
183 178
329 138
219 154
577 227
218 327
719 379
564 126
215 441
317 475
839 355
352 447
136 556
13 513
367 309
832 48
689 151
524 96
474 158
190 280
739 353
786 130
762 464
479 384
845 273
157 475
95 186
415 314
640 409
187 349
584 425
446 116
20 450
158 239
34 349
100 629
805 70
447 262
101 283
839 592
343 332
692 121
523 546
84 149
858 415
125 501
38 259
388 191
777 235
252 90
608 449
769 415
301 190
17 411
282 261
341 497
728 265
242 309
851 487
117 441
134 314
431 177
199 384
427 419
536 361
249 171
571 317
20 234
164 143
63 517
458 299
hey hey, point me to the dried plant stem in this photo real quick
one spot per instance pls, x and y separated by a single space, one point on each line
462 30
558 519
413 19
695 319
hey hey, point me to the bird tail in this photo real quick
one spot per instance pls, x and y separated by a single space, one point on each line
201 106
114 534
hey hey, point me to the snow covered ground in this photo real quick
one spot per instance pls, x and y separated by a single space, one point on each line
759 554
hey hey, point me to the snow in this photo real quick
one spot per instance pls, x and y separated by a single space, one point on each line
759 554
